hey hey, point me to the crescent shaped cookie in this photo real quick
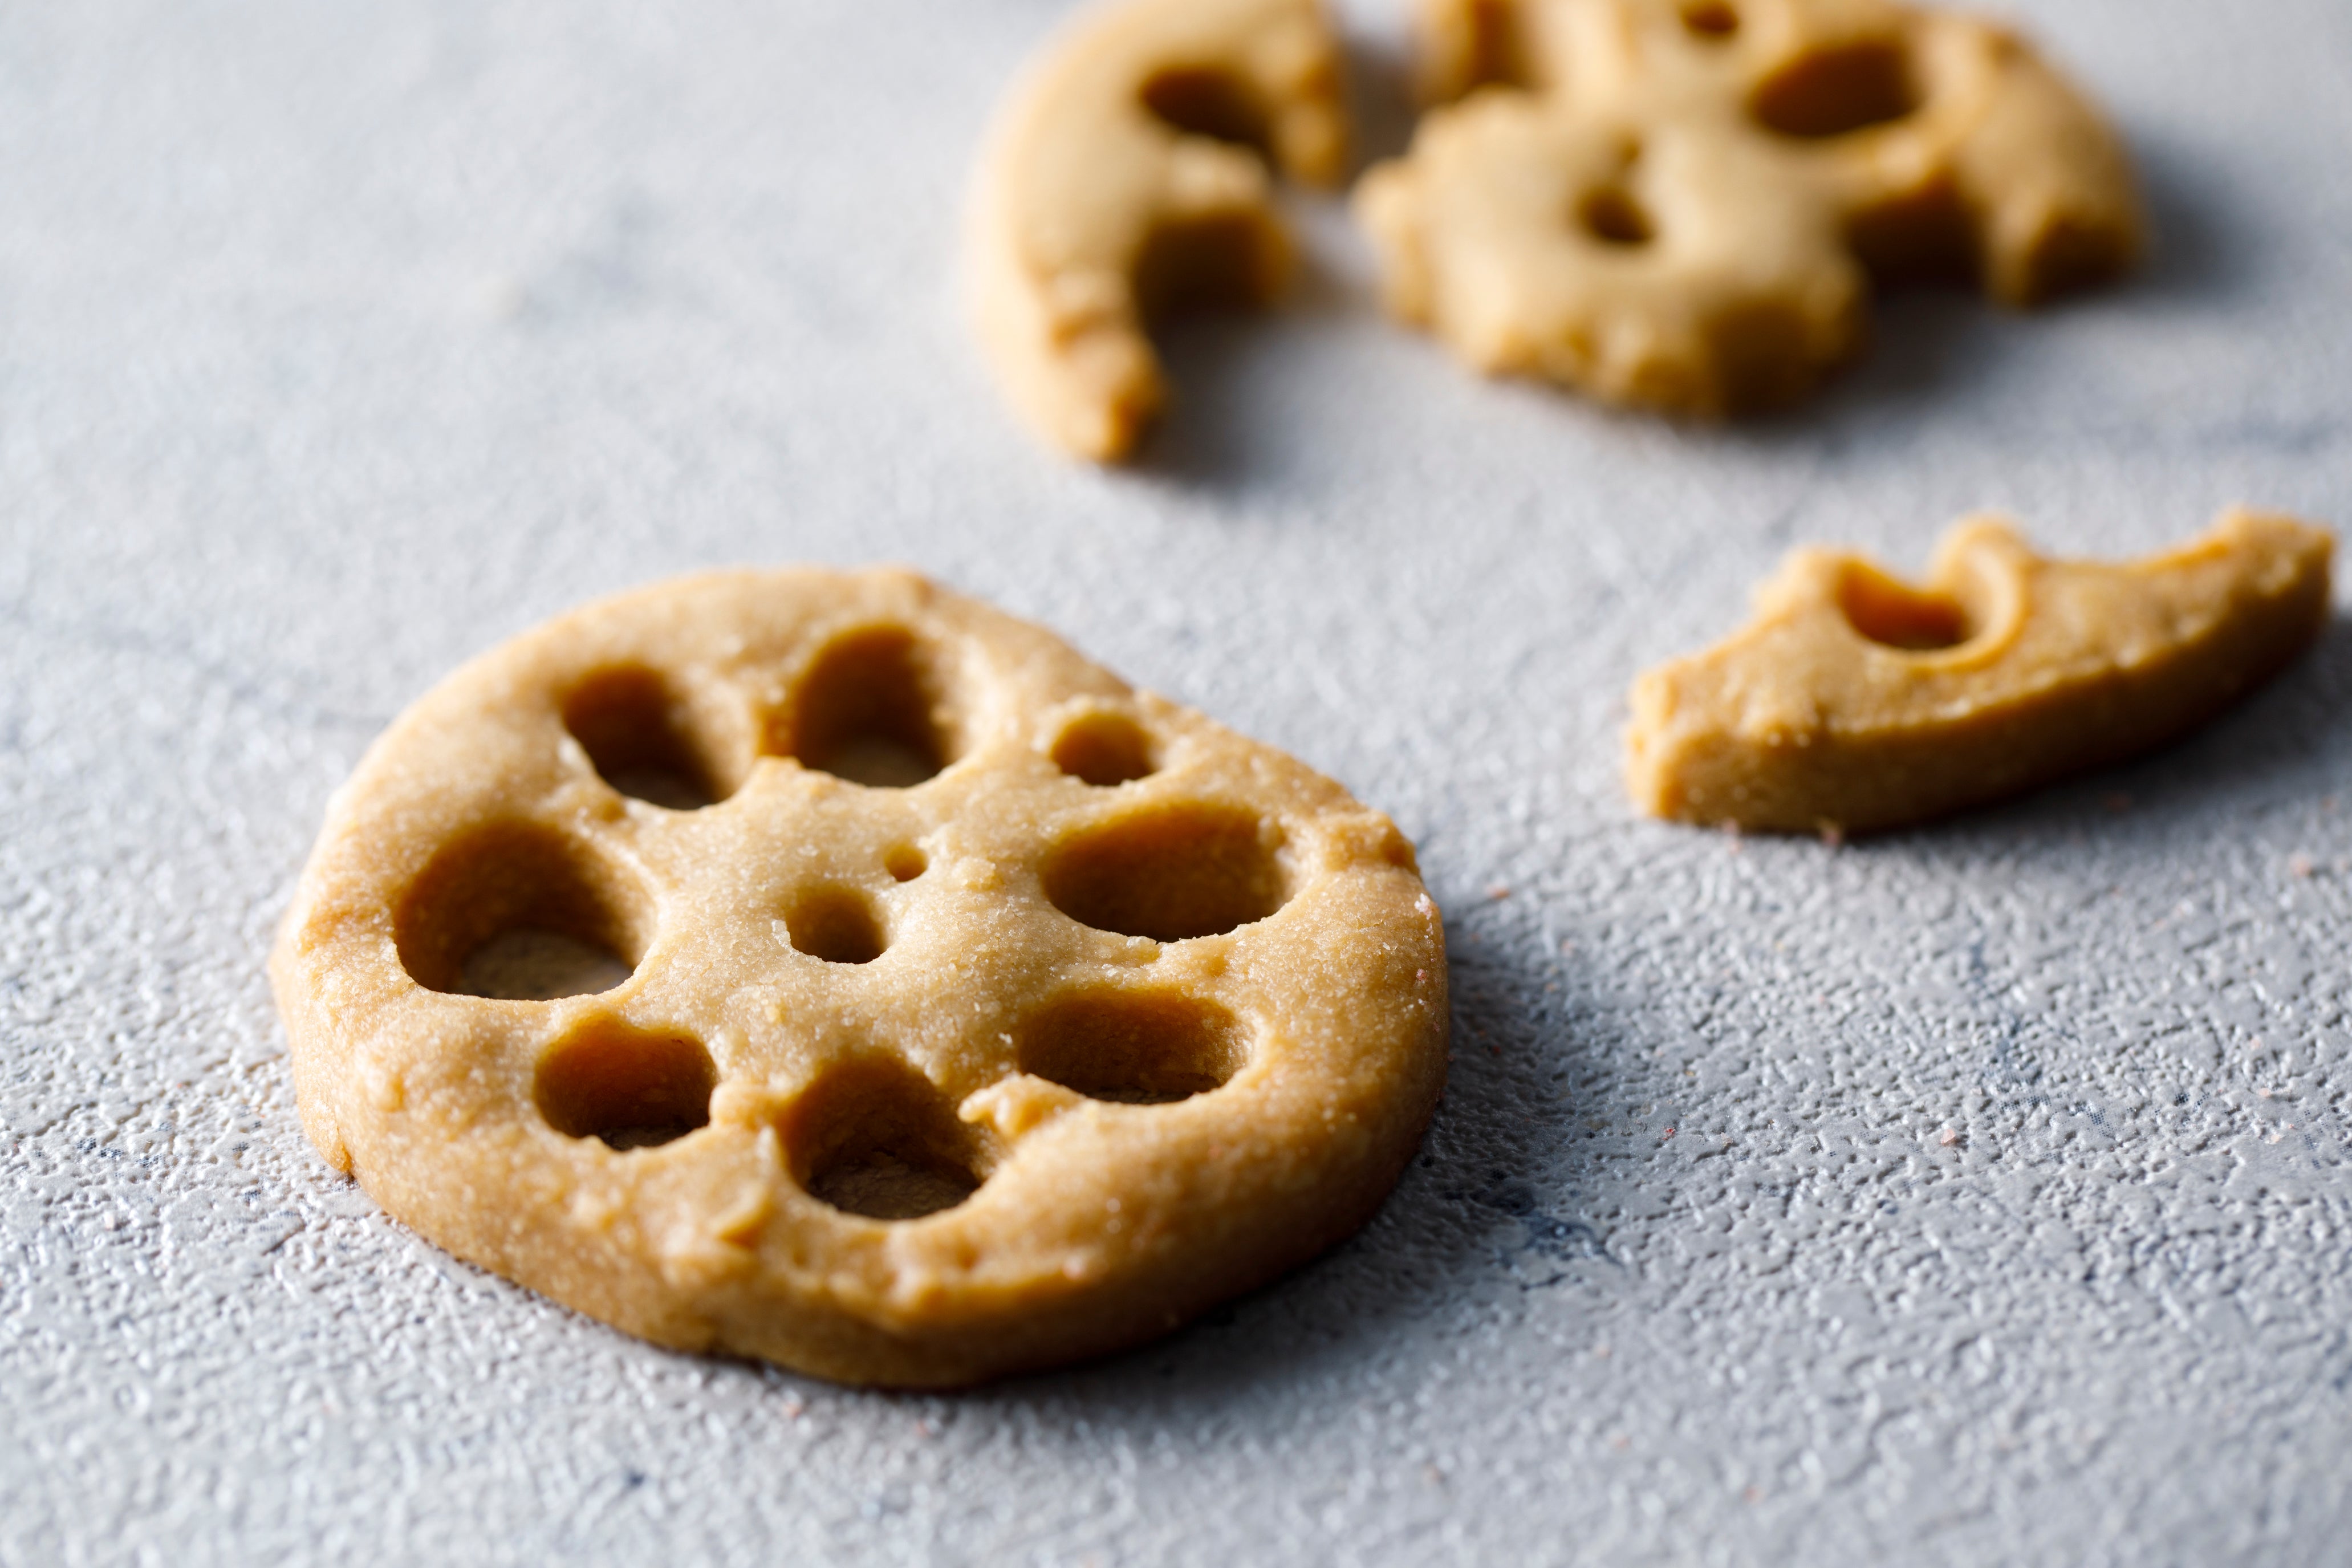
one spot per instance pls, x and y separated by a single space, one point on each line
1853 701
1680 203
962 1009
1129 176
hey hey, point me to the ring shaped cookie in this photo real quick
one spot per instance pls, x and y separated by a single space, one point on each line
1079 1013
1128 175
1679 203
1854 701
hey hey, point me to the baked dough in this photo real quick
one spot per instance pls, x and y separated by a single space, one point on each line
1127 176
1680 203
1080 1014
1853 701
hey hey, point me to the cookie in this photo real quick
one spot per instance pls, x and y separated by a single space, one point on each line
1682 205
1854 702
952 1008
1129 176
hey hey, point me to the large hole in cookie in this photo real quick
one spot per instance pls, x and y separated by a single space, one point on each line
638 737
1886 612
1925 236
1493 49
1763 350
636 731
529 966
1142 1048
1709 19
632 1089
1829 92
873 709
1104 749
1612 217
1178 872
875 1138
1226 259
1203 101
519 913
837 924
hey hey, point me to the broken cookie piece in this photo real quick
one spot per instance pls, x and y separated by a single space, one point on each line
1854 702
1131 175
1681 206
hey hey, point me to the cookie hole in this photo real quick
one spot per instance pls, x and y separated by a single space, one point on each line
876 1139
1138 1048
634 730
1613 217
519 913
1763 348
1926 236
1225 258
1834 91
905 862
539 966
1104 749
835 924
1709 19
1494 51
873 710
629 1087
1171 874
1887 613
1212 103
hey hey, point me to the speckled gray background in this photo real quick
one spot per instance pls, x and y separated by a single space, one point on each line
1976 1195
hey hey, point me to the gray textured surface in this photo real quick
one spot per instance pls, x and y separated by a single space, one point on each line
1976 1195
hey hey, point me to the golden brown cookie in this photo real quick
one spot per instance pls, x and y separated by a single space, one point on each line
1680 203
1853 701
967 1010
1128 176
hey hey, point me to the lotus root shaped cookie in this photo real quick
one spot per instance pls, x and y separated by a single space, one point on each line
1855 701
944 1007
1129 176
1648 263
1909 141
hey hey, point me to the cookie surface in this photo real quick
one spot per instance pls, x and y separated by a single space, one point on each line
1681 205
1129 174
980 1012
1852 701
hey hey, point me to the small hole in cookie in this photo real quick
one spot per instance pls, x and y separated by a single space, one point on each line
835 924
873 710
1210 103
631 1089
876 1139
1886 612
1833 91
1613 217
1104 749
635 731
1709 19
517 912
1140 1049
1178 872
905 862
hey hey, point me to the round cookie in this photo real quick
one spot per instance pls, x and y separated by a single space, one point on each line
967 1010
